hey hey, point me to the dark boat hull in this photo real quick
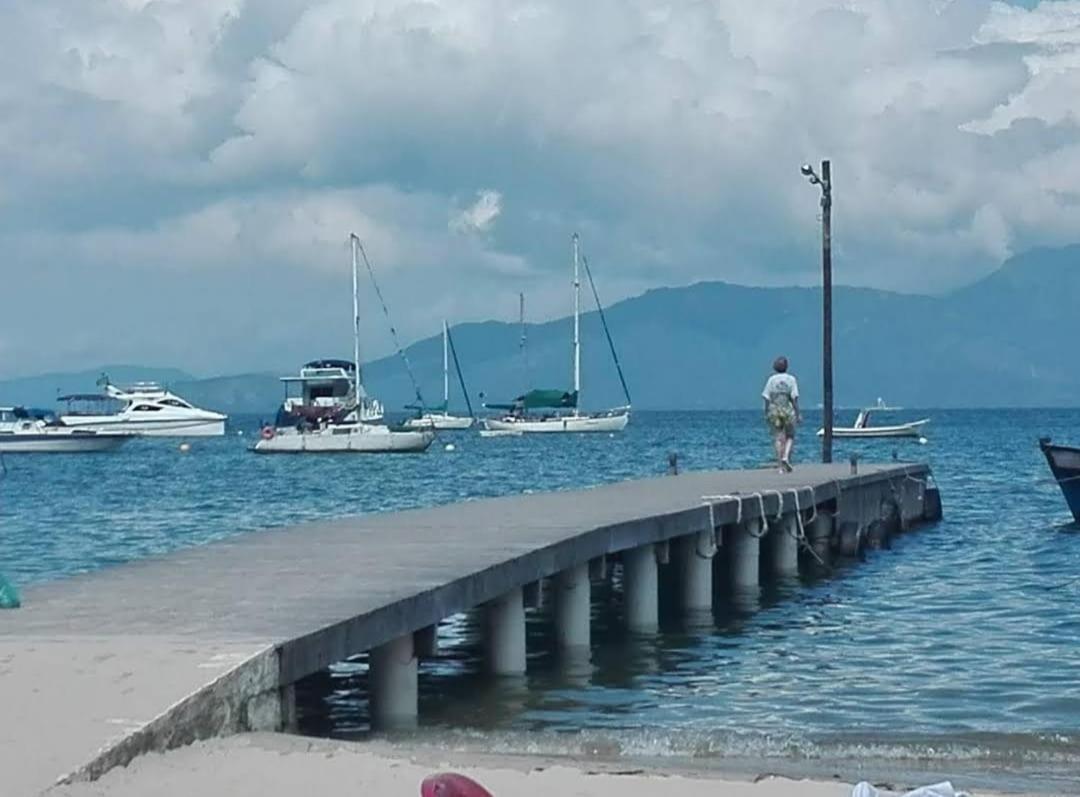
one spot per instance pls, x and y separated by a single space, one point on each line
1065 465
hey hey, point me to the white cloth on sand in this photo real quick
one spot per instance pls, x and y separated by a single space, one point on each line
943 789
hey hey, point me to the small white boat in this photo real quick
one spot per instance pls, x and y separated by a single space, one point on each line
561 408
330 414
25 431
485 432
610 421
144 408
440 417
357 438
863 429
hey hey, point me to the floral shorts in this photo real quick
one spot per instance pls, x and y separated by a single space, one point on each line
781 419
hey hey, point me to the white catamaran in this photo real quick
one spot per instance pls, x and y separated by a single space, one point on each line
340 428
560 409
439 417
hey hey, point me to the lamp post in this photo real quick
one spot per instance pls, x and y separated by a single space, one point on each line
825 181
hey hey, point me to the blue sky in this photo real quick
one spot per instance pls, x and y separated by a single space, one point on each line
178 177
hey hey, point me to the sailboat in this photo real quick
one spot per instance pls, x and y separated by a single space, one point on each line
559 409
439 417
341 429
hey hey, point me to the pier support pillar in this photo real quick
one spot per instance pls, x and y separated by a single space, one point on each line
820 533
290 722
504 627
746 553
784 546
695 552
572 608
393 684
426 642
641 590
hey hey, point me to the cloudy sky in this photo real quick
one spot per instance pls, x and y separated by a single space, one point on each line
178 177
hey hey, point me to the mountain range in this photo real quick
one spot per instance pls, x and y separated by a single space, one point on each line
1010 339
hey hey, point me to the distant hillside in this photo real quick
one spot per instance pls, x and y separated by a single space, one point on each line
1008 340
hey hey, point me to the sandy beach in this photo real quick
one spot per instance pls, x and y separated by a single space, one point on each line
273 765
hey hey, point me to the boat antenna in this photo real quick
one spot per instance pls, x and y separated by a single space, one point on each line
607 331
577 321
461 376
355 241
393 332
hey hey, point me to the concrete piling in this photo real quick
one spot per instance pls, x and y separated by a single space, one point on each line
426 642
393 684
850 538
783 542
746 553
641 589
533 594
820 533
572 608
695 554
504 634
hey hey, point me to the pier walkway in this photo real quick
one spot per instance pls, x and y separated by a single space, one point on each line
206 641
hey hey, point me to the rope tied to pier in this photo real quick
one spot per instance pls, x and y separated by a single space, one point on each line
764 518
800 525
711 502
713 545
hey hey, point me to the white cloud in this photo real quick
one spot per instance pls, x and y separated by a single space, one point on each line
480 216
238 138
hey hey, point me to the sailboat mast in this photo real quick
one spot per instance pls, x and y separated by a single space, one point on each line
355 241
577 321
445 369
521 323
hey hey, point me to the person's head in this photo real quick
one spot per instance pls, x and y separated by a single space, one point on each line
780 365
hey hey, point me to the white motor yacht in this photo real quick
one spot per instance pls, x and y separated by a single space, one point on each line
144 408
333 412
26 431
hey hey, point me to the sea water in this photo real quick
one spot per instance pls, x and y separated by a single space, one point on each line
957 646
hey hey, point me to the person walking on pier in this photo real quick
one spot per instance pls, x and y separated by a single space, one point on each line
781 396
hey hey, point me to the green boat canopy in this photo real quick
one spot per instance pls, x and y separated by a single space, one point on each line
541 399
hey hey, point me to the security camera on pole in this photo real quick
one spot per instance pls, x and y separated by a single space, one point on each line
825 181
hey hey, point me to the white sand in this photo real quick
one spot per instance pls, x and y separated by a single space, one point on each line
269 765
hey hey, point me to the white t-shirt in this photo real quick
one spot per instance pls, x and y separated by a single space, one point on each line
780 383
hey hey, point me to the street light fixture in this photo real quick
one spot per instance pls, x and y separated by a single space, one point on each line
825 181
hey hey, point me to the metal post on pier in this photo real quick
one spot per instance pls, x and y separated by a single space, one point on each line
825 181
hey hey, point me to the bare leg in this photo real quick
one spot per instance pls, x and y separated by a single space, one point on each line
778 447
789 444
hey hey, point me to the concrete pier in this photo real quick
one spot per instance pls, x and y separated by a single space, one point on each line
746 553
393 684
210 640
641 589
504 629
573 595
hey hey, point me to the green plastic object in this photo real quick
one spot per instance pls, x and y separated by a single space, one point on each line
9 596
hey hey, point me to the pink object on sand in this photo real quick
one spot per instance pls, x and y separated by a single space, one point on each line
449 784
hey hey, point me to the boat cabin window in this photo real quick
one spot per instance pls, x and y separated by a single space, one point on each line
146 408
171 402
